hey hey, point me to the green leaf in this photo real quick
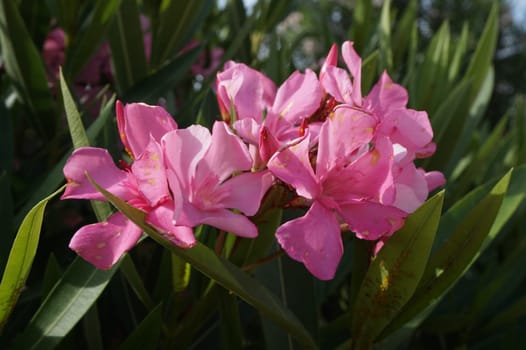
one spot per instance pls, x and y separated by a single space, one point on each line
90 36
129 271
146 335
430 84
155 85
401 40
80 139
384 34
395 273
25 68
76 128
363 23
369 70
21 258
66 12
485 155
52 274
483 56
6 217
230 322
65 306
507 317
177 21
458 55
180 273
456 255
223 272
126 40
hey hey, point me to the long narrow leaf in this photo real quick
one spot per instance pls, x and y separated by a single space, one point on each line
127 46
224 273
455 256
21 258
25 67
66 304
395 273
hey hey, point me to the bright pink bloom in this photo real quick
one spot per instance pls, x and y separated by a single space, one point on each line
351 181
144 185
261 108
209 174
387 101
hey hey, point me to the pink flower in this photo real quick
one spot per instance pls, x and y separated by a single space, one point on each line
261 108
90 81
143 185
211 176
350 181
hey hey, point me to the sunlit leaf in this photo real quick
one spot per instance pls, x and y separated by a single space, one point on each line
21 258
395 273
223 272
456 255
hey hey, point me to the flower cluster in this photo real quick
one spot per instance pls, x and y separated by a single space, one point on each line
348 159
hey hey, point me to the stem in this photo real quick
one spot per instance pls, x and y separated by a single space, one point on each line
262 261
220 242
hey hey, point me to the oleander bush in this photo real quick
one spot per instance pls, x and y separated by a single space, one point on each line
258 175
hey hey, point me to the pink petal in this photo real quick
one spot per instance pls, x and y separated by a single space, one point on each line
245 191
409 128
354 63
341 136
151 175
434 180
248 130
136 121
226 220
226 155
250 91
386 95
369 176
315 240
372 221
336 82
330 60
103 243
290 102
268 145
98 163
161 218
411 188
292 166
183 149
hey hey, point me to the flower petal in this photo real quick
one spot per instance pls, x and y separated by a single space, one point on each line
103 243
340 136
226 155
98 163
292 166
183 149
354 63
136 121
226 220
290 101
245 191
434 180
162 218
315 240
372 221
250 91
336 82
151 175
386 95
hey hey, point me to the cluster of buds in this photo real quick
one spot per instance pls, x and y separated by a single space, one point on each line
347 159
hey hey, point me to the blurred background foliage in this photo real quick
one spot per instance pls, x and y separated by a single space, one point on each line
462 61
